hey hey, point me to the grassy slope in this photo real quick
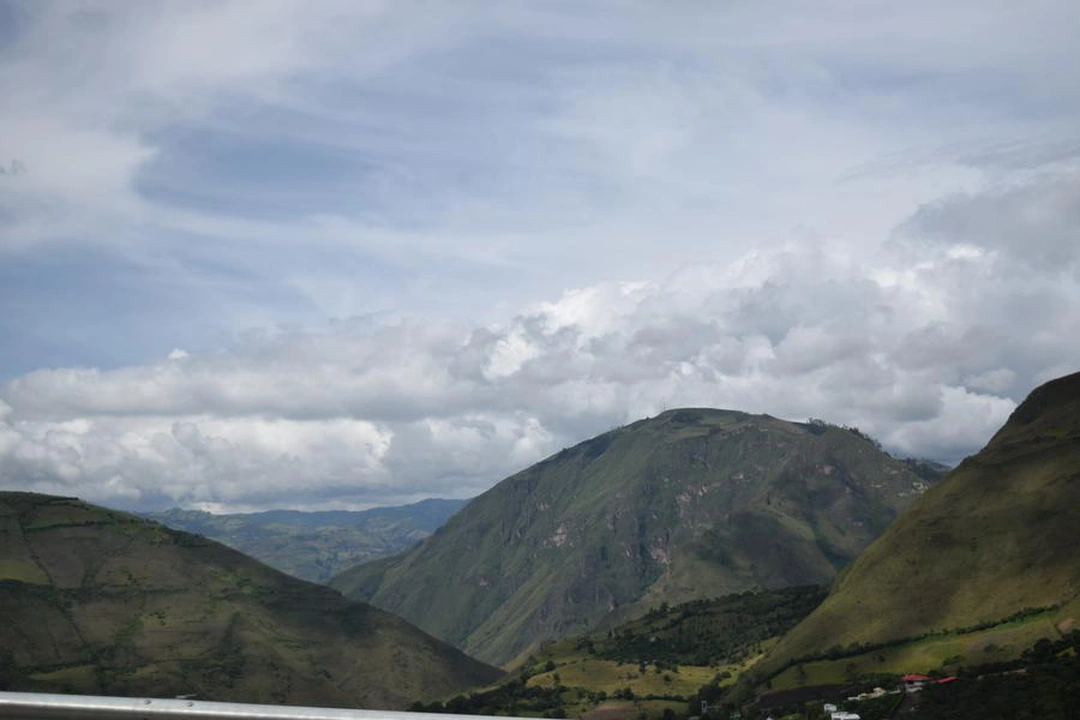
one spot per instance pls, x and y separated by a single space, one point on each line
998 535
317 545
948 652
663 658
691 504
96 601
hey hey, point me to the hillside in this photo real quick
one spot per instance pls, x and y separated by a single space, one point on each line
688 505
659 662
316 545
101 602
984 563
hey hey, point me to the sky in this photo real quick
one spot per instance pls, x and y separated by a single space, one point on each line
329 254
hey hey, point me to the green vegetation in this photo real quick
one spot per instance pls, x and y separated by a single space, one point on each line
726 630
650 666
941 650
22 570
1041 680
513 698
945 652
100 602
564 682
993 544
689 505
316 545
1044 683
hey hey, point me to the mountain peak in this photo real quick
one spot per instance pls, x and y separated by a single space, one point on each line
690 504
1053 404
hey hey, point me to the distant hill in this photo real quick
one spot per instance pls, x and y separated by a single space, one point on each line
980 567
100 602
316 545
691 504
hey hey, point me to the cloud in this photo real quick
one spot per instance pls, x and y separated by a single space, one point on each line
381 410
473 235
1033 223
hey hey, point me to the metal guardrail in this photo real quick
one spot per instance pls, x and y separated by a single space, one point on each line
50 706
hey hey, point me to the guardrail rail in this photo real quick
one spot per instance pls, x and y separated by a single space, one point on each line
51 706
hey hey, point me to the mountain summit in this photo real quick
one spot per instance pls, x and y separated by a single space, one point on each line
691 504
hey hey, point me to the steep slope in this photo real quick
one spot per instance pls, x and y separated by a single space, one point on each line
691 504
316 545
96 601
996 538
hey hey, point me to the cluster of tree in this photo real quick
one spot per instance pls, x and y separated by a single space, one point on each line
817 426
513 698
1021 614
709 632
1044 683
868 438
882 708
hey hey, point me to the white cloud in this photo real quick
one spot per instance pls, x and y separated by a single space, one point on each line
374 411
998 381
526 223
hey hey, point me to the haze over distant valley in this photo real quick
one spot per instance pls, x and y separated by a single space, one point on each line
317 545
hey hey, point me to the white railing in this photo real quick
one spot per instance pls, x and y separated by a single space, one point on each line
46 706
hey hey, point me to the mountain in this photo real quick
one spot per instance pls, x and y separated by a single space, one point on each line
691 504
316 545
101 602
979 567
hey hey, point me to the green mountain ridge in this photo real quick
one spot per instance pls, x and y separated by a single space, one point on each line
101 602
993 544
316 545
691 504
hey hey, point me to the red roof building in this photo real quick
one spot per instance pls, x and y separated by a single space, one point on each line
913 682
913 677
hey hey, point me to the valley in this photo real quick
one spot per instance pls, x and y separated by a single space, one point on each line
316 545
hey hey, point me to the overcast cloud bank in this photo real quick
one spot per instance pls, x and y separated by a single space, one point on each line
929 358
476 234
